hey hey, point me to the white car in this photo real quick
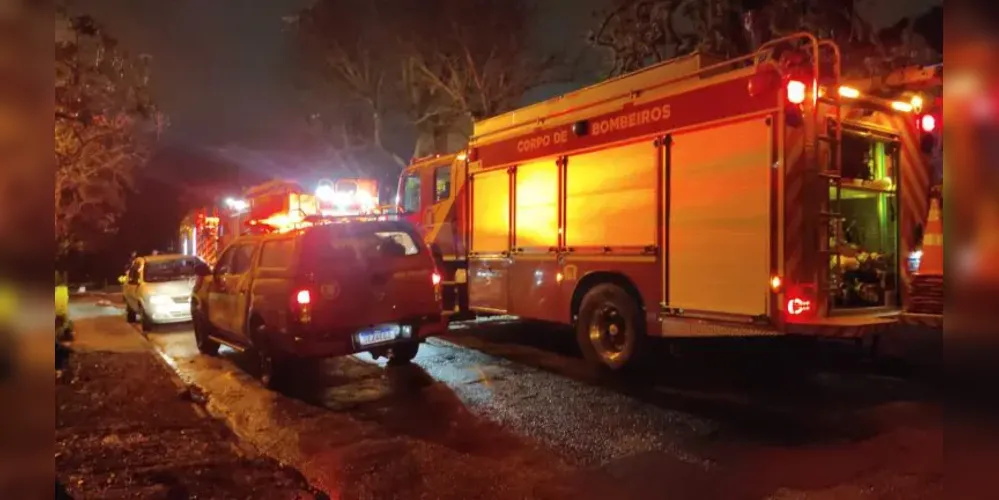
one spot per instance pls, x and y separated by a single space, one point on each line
157 289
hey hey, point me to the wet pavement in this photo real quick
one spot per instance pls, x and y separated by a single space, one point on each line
126 427
502 409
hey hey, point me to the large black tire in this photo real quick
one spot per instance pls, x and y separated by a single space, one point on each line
273 365
130 315
610 329
202 335
403 353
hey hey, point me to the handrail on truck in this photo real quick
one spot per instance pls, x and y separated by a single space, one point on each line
765 48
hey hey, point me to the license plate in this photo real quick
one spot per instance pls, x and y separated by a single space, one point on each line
378 335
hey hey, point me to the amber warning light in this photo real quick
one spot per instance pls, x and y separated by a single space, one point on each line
775 283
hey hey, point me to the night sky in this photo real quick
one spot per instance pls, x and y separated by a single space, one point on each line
222 68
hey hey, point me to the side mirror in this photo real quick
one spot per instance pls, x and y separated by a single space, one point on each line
202 269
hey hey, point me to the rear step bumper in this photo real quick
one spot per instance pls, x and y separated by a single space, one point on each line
844 326
923 320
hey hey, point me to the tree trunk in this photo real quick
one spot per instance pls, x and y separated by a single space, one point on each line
377 124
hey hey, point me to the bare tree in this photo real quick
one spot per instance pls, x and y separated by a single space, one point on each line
433 65
637 33
479 56
105 123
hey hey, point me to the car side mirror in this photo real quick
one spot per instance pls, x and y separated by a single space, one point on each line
202 269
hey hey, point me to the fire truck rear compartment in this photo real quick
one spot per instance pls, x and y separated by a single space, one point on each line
719 220
864 263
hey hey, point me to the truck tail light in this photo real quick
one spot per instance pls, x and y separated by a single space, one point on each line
797 306
799 302
796 90
301 305
927 123
435 278
776 284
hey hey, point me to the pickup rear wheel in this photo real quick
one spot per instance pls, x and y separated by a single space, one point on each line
202 335
272 364
610 328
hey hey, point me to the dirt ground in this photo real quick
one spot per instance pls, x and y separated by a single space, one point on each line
125 429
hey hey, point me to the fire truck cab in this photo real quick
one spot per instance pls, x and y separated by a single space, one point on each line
695 198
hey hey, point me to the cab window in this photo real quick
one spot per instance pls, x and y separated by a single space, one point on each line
241 259
442 183
361 245
411 193
225 261
277 253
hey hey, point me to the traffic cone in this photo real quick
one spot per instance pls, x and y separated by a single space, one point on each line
926 293
931 262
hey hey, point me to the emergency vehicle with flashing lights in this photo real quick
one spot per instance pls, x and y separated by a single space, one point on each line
206 230
319 287
695 198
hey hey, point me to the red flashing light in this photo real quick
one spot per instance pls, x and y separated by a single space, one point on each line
796 91
435 278
303 297
927 123
797 306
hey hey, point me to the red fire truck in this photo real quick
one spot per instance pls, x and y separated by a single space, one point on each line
693 198
279 203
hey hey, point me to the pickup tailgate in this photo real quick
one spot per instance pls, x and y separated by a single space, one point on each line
368 273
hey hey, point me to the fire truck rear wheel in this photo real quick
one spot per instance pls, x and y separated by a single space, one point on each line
610 328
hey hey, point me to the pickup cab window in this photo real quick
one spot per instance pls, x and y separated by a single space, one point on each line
241 259
362 244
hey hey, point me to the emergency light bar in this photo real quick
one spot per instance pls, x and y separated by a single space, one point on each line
916 103
344 202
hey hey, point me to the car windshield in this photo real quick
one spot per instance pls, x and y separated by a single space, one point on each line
170 270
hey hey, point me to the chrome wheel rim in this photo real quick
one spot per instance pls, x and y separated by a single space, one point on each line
608 333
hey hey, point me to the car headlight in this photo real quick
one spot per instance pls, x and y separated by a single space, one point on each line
159 299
